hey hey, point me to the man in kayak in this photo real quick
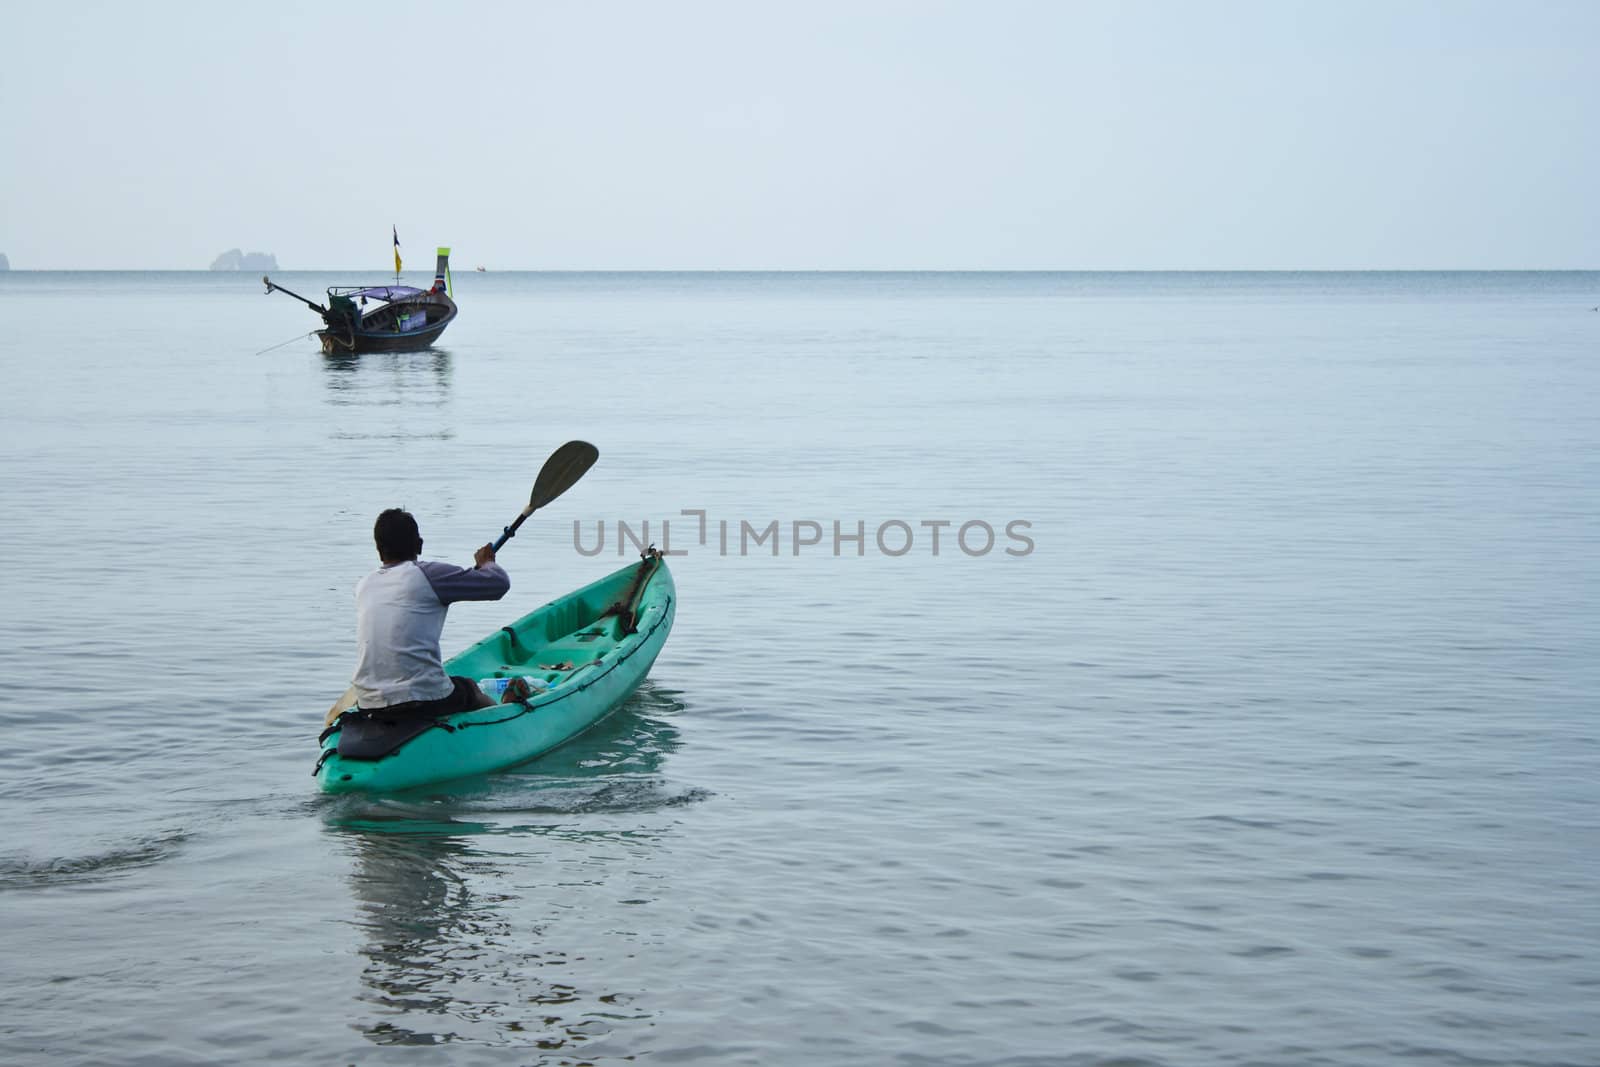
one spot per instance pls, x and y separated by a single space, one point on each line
400 610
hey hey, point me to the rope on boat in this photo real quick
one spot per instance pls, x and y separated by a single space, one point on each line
351 328
290 341
526 709
626 609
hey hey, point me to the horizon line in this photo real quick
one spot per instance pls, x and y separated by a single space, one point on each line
836 270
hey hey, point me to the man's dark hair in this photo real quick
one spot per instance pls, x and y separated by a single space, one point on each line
397 535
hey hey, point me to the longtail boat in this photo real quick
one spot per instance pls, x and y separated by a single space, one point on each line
382 318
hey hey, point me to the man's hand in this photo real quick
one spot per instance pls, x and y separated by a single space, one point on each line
483 555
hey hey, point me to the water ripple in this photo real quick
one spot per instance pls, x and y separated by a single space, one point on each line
89 869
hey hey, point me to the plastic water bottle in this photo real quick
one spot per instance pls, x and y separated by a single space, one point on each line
495 688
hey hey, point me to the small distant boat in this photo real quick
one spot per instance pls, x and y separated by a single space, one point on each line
382 318
480 270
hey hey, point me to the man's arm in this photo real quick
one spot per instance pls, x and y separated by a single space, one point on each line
487 581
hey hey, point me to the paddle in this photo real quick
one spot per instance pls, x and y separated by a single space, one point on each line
560 472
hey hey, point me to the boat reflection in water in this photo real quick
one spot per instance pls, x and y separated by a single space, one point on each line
390 395
499 912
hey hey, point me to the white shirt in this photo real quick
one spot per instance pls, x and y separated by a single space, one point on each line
400 612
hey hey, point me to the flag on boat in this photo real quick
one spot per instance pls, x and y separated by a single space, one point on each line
396 248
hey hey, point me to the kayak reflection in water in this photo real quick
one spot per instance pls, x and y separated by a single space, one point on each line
400 613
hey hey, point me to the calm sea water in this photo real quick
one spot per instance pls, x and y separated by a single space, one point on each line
1278 747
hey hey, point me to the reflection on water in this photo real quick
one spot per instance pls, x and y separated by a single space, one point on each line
406 392
478 920
423 923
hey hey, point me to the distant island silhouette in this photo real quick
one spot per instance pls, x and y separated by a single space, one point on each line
233 259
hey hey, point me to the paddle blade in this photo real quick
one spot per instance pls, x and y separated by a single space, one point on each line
561 472
340 706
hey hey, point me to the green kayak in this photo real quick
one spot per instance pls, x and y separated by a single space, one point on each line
582 655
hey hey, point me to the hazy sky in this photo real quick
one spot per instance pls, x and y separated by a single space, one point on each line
809 135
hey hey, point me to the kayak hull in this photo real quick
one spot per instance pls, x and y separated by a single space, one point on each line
577 645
